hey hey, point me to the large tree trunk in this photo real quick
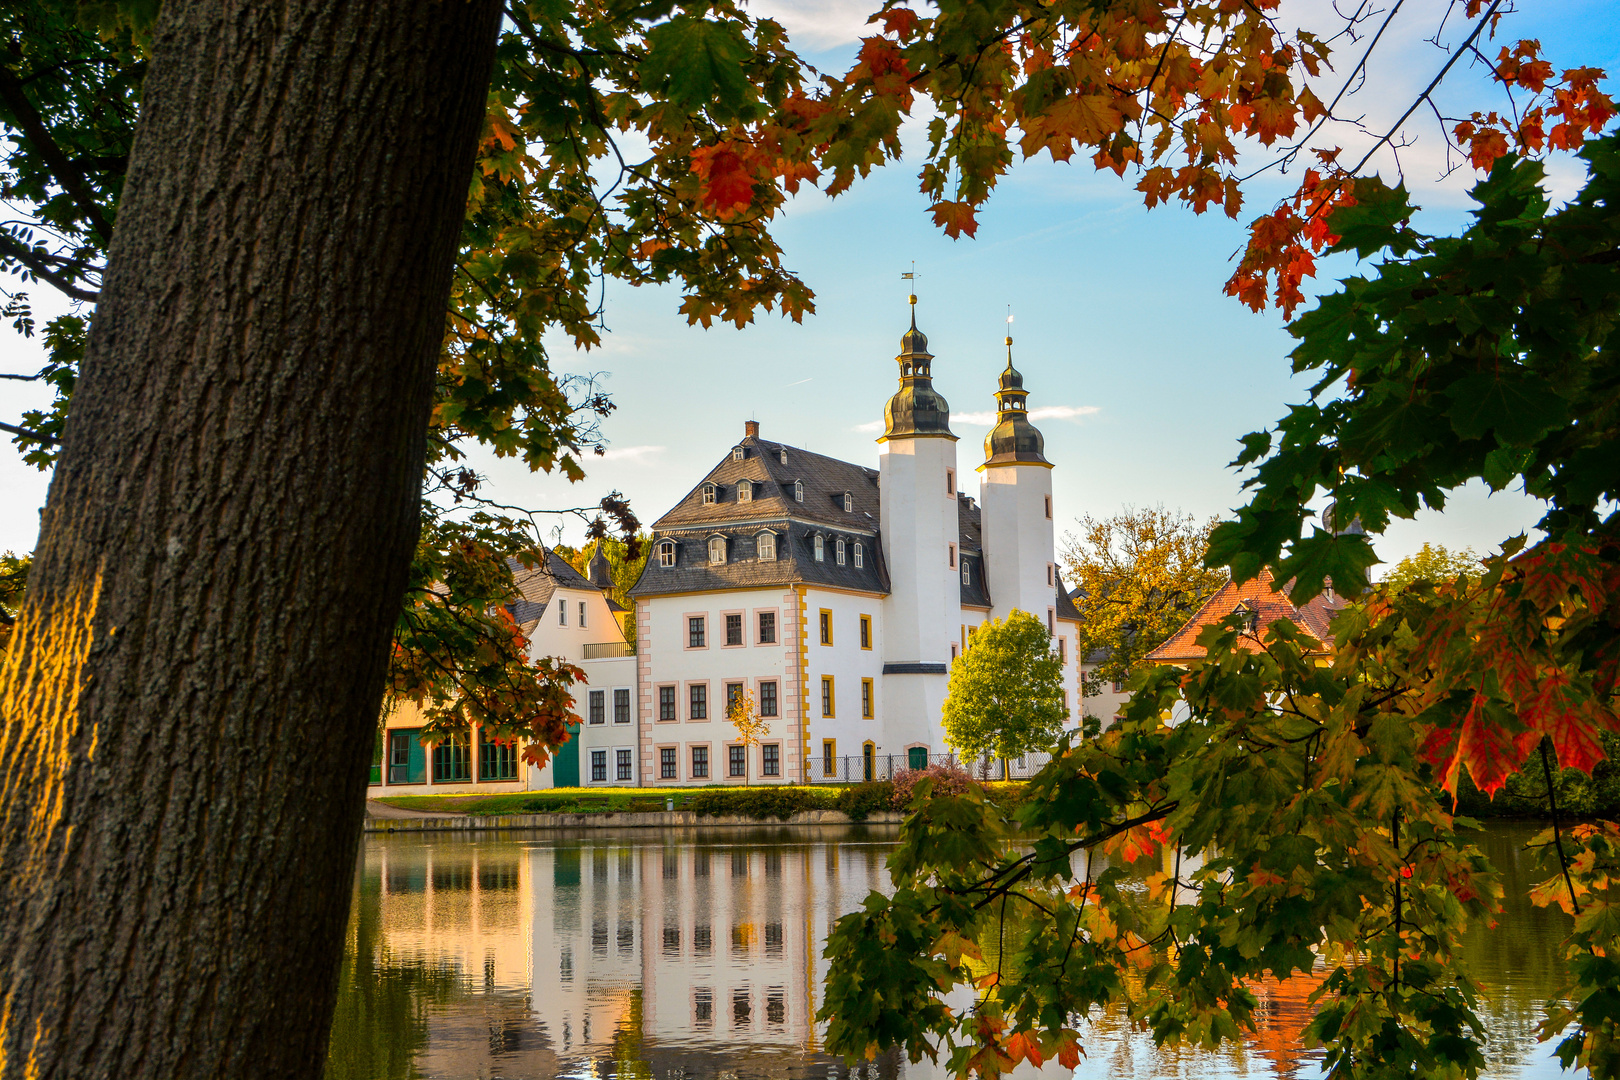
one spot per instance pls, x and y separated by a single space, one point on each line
190 699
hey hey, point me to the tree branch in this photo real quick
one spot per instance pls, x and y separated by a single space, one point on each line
25 433
32 127
11 247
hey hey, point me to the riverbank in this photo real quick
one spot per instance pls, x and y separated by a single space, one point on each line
408 822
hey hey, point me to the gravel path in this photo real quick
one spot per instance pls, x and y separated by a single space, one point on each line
375 809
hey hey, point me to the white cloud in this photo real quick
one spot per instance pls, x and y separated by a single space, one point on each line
875 425
1044 412
629 453
801 382
821 24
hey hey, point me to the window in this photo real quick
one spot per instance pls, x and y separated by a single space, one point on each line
717 549
666 703
765 544
734 691
1049 507
562 612
838 553
953 650
745 491
771 760
967 578
452 760
1051 621
582 614
496 760
597 712
708 494
950 481
737 762
767 699
700 762
826 627
849 503
599 765
820 553
950 556
782 455
666 763
737 453
1063 650
860 559
623 763
694 632
866 699
866 631
698 701
666 553
829 757
798 491
767 628
621 705
734 629
1049 573
826 695
1119 686
1065 703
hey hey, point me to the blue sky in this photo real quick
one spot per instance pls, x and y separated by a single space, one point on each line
1119 320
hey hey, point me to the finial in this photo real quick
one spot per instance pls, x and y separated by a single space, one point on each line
1009 333
912 298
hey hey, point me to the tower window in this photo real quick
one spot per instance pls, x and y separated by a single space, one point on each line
1049 573
1049 508
820 553
950 481
708 494
950 556
666 553
838 552
745 491
798 491
860 556
849 503
717 549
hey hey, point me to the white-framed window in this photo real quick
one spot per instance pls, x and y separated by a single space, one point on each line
666 553
621 705
765 544
598 766
596 712
798 491
820 549
860 555
745 491
582 614
708 494
623 764
736 453
838 552
782 455
562 612
849 503
717 549
967 579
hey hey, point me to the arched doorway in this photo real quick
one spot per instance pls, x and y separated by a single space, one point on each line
868 761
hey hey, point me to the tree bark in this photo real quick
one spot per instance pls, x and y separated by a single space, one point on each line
191 694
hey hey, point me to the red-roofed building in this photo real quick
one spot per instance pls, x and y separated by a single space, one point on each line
1262 607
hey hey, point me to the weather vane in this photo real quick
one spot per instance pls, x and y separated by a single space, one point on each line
912 277
1009 330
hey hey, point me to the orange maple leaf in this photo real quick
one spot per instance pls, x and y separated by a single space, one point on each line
956 218
727 186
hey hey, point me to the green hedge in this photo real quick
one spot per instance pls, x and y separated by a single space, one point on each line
857 801
1525 795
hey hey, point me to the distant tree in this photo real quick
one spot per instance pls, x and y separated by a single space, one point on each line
1140 576
1435 564
744 716
626 558
1006 692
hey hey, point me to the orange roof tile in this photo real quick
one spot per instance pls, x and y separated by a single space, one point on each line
1313 617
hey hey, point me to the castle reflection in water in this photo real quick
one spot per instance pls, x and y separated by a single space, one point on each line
675 956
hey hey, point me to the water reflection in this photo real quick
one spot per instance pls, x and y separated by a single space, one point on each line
691 957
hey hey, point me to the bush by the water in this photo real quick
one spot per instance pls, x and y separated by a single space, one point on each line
857 801
1525 794
948 780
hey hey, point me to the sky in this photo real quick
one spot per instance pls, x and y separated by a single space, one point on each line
1142 374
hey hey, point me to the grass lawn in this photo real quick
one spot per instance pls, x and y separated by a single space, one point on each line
558 800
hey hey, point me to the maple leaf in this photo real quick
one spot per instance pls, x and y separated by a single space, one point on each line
957 218
727 185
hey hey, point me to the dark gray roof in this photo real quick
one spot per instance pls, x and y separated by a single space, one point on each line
1065 601
537 584
825 482
795 561
967 523
976 591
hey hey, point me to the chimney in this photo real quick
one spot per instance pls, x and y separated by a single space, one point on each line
751 429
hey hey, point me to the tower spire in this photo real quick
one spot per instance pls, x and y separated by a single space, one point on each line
917 409
1014 440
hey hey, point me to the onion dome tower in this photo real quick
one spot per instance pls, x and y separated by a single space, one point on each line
916 408
1013 438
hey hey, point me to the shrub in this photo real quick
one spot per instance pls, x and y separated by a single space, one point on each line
759 802
861 800
948 780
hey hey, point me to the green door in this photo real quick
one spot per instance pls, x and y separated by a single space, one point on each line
565 762
407 761
918 757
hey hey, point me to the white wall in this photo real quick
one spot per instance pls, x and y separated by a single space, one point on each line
1018 545
848 664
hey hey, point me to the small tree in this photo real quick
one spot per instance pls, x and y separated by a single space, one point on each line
1006 691
751 726
1435 565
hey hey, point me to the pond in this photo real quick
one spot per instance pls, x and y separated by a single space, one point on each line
680 955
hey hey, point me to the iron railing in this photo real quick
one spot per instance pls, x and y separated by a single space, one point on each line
608 650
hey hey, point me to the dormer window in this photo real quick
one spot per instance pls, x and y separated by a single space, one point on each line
717 549
765 544
821 554
708 494
666 553
737 453
849 503
838 552
967 579
745 491
798 491
1249 617
782 455
860 556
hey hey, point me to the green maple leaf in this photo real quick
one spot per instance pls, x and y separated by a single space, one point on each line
699 64
1517 407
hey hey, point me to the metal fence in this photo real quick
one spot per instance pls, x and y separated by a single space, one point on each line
855 768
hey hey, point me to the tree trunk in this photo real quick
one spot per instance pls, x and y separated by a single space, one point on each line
191 697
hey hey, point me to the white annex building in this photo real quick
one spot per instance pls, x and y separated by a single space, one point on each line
838 595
